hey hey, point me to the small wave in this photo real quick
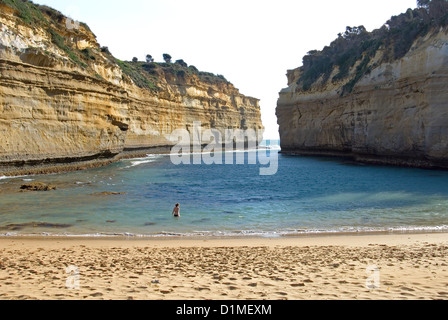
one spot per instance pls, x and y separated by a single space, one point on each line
139 161
241 233
80 183
11 177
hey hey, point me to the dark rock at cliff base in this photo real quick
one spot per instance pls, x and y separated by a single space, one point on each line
37 186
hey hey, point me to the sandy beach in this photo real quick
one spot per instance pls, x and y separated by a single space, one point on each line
346 267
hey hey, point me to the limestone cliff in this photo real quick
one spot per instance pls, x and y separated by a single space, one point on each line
385 110
64 99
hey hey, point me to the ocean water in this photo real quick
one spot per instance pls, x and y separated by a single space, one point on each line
307 195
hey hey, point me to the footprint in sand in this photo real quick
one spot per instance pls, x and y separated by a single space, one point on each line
165 291
295 285
96 294
407 289
308 281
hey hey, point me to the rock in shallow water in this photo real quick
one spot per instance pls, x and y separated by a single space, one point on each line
109 194
21 226
37 186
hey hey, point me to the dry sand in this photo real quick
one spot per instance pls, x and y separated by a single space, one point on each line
409 266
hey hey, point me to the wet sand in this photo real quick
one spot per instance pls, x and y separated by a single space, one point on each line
348 267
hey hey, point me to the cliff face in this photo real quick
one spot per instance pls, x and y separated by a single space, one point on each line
64 99
183 100
397 113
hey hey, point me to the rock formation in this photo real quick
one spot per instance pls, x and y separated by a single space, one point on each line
37 186
396 112
64 99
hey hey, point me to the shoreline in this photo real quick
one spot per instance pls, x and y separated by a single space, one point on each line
202 237
236 235
327 239
406 266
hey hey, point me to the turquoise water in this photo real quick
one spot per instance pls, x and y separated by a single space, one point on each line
307 195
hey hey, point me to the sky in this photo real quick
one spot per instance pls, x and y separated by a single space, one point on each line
251 42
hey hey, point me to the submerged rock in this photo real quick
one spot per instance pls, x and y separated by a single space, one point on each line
109 194
21 226
37 186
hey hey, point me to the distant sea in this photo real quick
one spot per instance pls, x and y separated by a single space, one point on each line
308 195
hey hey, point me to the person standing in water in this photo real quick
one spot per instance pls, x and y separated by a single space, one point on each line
176 211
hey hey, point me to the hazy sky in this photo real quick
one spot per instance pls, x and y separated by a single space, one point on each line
251 42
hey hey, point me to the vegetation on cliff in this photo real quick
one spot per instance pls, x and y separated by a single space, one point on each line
146 75
32 14
357 47
53 21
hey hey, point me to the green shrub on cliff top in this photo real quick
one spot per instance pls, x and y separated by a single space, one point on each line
27 11
136 71
146 75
